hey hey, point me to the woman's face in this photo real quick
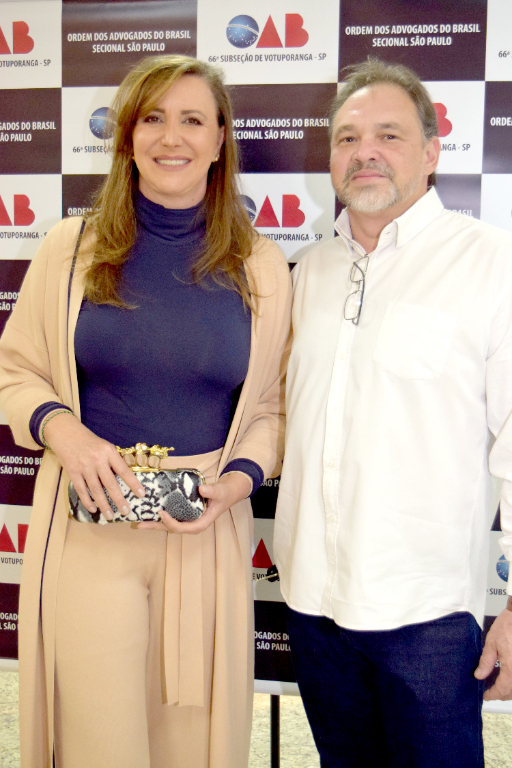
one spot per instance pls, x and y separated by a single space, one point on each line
175 144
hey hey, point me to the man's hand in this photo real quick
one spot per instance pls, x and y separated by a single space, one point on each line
498 647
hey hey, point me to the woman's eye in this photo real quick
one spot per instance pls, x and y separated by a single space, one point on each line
192 121
151 119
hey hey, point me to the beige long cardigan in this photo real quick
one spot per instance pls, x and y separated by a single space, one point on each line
37 365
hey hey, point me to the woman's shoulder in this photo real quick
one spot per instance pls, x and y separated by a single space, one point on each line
66 229
62 237
60 242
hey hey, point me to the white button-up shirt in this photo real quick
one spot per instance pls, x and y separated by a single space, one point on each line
386 497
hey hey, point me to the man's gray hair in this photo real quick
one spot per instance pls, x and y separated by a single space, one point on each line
373 71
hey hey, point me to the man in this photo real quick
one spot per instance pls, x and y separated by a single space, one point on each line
399 386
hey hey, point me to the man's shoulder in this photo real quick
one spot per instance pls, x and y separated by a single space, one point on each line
467 226
323 254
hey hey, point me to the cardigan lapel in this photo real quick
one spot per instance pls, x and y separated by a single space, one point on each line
252 370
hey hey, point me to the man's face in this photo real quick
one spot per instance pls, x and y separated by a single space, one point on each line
379 159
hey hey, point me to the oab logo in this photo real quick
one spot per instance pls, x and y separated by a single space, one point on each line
261 557
102 123
289 209
22 215
502 568
21 40
443 124
243 31
6 542
261 561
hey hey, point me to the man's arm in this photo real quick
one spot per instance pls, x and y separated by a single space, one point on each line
498 643
498 647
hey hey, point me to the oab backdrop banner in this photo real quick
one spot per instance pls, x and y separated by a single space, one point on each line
60 63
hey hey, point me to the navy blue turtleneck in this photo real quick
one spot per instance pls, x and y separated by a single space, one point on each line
169 371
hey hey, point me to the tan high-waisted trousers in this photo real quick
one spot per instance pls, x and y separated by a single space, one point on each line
113 601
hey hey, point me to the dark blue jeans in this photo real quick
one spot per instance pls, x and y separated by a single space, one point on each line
402 698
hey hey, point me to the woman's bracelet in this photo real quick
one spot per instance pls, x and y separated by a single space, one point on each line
47 419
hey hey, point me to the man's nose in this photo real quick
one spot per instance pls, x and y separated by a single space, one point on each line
366 150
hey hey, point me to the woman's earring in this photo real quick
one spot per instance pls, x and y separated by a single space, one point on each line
216 158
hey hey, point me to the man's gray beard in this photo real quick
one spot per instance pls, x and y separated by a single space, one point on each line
373 198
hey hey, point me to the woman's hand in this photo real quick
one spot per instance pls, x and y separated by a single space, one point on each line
222 495
91 464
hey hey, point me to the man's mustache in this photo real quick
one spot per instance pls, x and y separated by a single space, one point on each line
384 169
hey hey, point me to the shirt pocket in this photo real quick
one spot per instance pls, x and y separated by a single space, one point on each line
413 341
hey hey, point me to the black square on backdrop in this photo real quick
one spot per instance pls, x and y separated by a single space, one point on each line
18 470
419 34
101 41
498 128
265 499
30 131
78 191
9 601
283 128
273 660
460 192
11 278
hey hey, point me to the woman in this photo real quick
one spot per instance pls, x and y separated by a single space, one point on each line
137 650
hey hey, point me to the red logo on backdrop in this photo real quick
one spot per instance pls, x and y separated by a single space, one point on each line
295 36
443 124
23 214
261 558
21 40
6 543
292 216
243 31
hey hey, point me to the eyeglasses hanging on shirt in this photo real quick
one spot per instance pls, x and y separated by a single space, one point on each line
354 300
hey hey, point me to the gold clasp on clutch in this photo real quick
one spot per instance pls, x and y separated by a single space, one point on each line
142 458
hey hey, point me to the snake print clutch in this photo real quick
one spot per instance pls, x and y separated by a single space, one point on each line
175 490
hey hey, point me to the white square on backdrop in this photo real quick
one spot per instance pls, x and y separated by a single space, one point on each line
29 206
498 51
85 129
270 41
497 200
296 210
31 48
460 116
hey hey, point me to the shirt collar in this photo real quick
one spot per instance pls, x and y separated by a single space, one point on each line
401 229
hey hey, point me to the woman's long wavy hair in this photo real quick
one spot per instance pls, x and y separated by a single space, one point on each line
230 236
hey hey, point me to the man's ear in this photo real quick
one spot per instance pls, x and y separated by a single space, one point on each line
432 152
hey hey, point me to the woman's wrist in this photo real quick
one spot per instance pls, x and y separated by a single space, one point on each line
242 474
64 411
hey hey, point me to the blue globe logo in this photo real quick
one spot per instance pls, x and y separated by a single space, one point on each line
250 206
242 31
502 568
102 123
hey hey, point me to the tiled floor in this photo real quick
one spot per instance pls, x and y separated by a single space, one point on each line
297 748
